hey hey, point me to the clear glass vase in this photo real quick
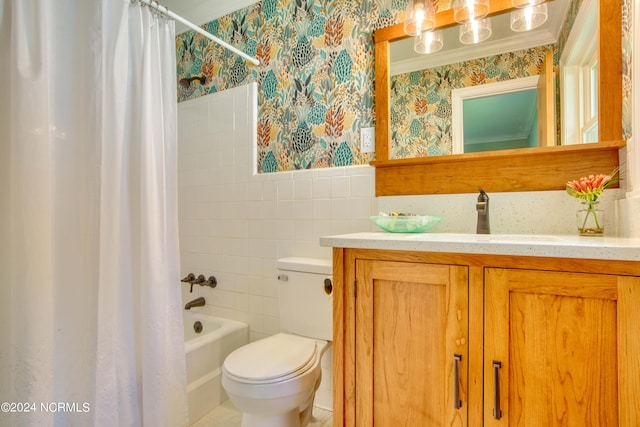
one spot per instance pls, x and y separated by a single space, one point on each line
590 220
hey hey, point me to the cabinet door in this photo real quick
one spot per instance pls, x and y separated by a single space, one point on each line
411 344
553 354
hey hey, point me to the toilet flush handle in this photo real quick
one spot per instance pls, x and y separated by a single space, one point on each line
328 286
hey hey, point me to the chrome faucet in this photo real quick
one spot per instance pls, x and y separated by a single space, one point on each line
198 302
483 213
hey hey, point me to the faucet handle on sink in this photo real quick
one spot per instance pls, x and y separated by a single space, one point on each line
482 206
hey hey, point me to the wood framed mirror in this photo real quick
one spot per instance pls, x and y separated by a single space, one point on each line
525 169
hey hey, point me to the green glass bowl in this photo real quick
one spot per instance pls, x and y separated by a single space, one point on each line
406 224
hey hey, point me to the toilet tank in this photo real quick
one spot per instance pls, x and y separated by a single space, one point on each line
305 307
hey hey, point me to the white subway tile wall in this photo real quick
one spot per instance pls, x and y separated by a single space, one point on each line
234 224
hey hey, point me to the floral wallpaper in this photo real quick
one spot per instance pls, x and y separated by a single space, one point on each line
315 76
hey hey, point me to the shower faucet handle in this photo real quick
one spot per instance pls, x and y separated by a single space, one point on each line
212 282
189 279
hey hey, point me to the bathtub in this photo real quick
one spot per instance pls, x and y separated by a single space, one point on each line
205 352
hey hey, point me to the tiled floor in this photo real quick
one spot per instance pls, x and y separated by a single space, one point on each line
226 415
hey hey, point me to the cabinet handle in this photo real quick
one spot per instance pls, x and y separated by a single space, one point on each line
457 403
497 412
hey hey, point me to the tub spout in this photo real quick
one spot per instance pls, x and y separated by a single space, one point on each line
198 302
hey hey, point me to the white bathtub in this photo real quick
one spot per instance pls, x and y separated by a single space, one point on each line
205 353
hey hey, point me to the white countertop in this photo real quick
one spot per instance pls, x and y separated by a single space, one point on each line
561 246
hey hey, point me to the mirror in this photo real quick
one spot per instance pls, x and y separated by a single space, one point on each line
507 56
524 169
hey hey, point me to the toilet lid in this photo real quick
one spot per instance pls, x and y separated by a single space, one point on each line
270 358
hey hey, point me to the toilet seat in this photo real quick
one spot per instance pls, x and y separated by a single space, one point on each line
281 357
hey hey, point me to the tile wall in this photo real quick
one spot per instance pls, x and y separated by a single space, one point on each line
235 224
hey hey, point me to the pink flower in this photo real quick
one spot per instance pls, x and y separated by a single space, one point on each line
589 188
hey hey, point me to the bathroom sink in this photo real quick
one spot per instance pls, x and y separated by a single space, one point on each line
533 238
443 237
485 238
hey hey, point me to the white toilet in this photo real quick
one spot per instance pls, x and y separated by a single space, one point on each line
273 380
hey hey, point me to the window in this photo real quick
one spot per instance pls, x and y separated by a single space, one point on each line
589 91
579 79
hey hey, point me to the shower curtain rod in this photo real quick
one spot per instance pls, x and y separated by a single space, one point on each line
199 30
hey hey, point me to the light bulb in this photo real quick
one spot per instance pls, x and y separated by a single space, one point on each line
529 18
475 31
428 42
419 16
470 10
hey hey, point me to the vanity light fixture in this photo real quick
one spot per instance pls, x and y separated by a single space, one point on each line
475 31
420 20
529 17
474 27
428 42
419 16
470 10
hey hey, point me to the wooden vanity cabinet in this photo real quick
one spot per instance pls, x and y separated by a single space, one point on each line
411 332
422 339
556 348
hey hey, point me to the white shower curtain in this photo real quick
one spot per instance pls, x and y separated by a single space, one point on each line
90 308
